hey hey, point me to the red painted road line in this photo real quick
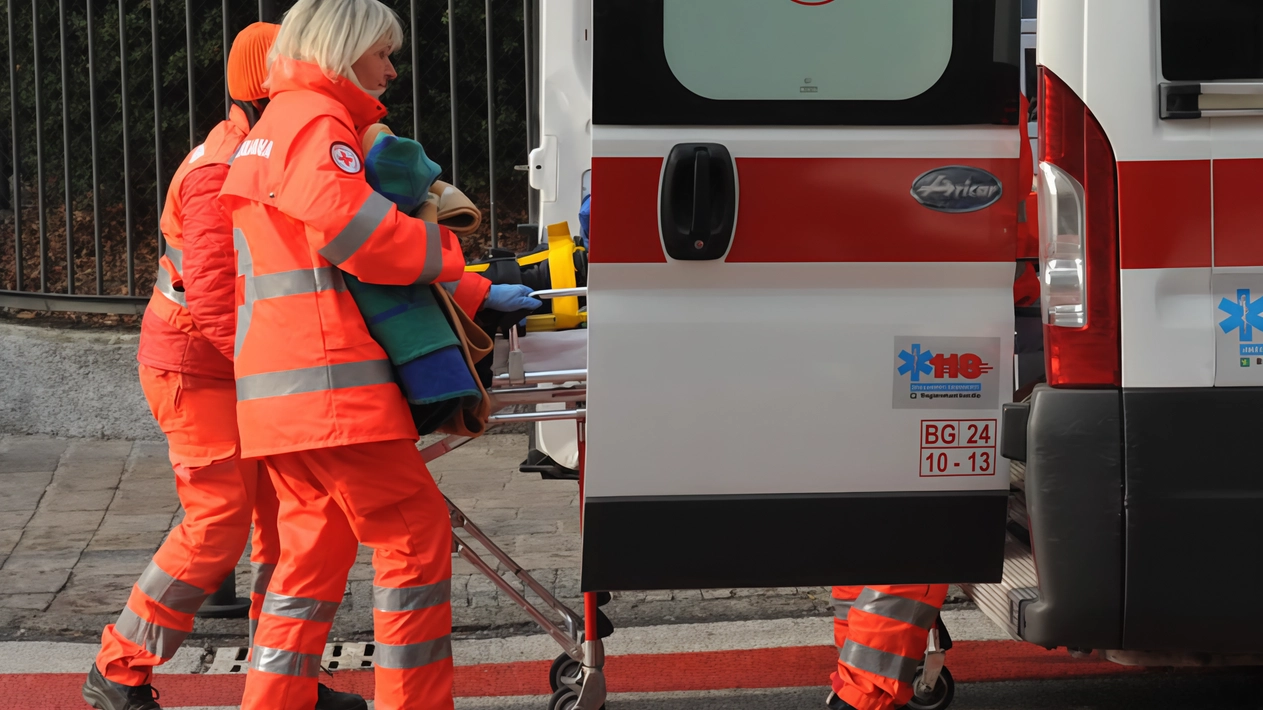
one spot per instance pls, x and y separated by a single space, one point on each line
803 666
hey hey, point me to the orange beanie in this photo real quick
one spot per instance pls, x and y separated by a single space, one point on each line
248 61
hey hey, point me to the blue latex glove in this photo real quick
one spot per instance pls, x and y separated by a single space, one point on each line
508 298
585 212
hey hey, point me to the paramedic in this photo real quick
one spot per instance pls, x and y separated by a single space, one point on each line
881 633
187 375
316 396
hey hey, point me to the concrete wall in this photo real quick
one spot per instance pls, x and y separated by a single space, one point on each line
76 383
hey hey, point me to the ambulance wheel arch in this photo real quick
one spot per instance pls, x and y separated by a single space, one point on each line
845 356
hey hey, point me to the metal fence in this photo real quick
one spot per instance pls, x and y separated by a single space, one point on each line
107 96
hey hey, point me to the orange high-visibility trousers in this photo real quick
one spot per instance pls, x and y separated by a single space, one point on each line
217 490
379 494
881 633
265 546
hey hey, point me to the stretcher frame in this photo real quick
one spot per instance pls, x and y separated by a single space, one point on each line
575 633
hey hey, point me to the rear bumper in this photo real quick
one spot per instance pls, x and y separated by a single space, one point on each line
1146 518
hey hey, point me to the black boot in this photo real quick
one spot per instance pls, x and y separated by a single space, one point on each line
105 694
836 703
330 699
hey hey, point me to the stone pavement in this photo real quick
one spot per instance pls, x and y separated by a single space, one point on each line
80 519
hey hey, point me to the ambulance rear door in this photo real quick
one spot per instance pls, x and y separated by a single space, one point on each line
804 219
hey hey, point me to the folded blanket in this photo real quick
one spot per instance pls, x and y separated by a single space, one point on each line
418 338
425 341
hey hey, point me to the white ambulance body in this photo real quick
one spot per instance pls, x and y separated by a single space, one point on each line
811 400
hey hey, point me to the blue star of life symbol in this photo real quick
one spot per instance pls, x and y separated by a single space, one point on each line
917 363
1244 315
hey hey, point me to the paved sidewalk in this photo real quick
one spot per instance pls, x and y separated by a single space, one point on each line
80 519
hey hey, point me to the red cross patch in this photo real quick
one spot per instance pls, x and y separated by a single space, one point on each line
345 158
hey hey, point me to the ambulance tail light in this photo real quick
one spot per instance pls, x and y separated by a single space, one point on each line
1078 241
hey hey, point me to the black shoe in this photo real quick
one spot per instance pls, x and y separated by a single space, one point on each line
836 703
105 694
330 699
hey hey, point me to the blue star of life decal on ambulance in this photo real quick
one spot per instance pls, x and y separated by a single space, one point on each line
1244 315
916 362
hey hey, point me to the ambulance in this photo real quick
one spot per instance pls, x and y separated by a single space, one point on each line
805 363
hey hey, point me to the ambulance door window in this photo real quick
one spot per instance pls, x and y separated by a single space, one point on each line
794 62
855 51
1212 40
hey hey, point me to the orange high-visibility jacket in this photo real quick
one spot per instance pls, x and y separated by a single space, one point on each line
308 373
175 334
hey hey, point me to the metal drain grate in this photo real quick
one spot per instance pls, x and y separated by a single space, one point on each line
337 657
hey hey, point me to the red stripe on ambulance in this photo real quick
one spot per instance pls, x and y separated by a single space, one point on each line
1238 212
1164 214
813 210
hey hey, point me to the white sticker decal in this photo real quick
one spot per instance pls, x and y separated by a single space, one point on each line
946 373
345 158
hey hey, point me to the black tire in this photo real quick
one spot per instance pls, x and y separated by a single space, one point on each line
563 665
938 699
564 699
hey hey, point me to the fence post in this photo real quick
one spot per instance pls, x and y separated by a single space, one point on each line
127 147
224 603
65 150
36 45
491 129
451 62
96 158
16 185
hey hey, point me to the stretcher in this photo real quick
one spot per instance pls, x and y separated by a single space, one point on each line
541 368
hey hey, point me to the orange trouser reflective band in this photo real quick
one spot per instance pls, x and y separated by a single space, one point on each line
881 633
381 495
217 491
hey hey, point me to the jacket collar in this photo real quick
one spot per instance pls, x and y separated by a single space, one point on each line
292 75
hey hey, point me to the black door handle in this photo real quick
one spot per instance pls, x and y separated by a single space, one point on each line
699 202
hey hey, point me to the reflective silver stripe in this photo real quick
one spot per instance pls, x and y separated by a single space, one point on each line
176 256
412 598
169 591
433 255
300 608
413 655
254 628
161 641
245 267
370 214
314 379
274 660
882 663
163 283
262 576
841 608
909 611
291 283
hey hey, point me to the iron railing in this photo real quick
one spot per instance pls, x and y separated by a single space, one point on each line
130 86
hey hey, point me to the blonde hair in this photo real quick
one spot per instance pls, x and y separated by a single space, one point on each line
334 34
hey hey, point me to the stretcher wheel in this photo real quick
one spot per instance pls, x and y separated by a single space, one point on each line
564 699
937 699
564 667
